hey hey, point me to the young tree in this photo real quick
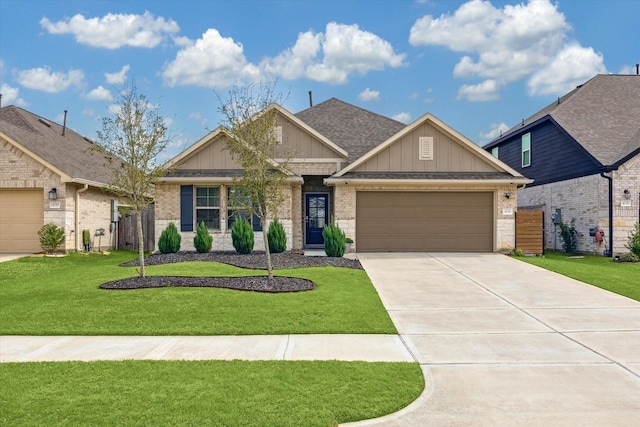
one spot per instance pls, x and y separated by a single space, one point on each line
251 121
131 141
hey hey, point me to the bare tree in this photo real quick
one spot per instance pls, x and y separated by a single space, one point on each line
131 141
251 120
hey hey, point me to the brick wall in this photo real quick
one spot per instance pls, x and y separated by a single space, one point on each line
587 200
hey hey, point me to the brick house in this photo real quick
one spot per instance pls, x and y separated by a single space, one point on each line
49 174
389 186
583 153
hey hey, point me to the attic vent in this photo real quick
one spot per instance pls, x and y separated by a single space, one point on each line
44 122
277 133
426 148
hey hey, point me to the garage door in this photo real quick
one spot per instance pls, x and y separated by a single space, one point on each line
435 222
21 216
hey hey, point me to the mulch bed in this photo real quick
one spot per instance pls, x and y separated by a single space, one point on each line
255 260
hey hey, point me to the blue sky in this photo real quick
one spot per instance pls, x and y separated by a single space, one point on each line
480 66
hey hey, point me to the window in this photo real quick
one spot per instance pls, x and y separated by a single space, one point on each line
237 203
277 133
526 149
494 152
208 206
426 148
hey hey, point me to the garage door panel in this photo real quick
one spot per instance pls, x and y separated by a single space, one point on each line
21 216
424 221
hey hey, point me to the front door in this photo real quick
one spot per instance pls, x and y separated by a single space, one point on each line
316 216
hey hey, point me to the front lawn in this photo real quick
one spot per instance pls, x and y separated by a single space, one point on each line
60 296
206 393
620 277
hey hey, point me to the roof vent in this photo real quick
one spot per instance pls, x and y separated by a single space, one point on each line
426 148
44 122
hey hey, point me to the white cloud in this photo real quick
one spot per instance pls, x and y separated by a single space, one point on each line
369 95
488 90
331 57
212 61
495 130
119 77
113 31
100 94
88 112
572 66
11 95
502 44
403 117
627 69
42 78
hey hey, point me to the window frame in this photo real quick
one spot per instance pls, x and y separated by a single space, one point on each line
234 211
525 145
208 206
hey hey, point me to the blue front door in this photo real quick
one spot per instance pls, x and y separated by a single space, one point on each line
316 217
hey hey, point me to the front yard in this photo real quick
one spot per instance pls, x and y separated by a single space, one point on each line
60 296
46 296
620 277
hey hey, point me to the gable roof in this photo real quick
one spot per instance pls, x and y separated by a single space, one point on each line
601 115
68 155
480 152
354 129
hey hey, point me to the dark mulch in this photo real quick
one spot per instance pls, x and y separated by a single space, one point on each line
250 283
255 261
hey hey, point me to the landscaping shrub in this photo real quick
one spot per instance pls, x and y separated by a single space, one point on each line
569 236
276 237
516 252
634 241
335 242
169 242
203 240
629 257
51 237
242 236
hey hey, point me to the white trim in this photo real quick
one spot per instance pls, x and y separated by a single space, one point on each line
312 160
498 164
195 146
347 181
64 177
213 179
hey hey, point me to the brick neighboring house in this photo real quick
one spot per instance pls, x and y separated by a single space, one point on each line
389 186
48 174
583 153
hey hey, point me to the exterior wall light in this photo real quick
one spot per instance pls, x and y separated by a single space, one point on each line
627 194
507 195
53 194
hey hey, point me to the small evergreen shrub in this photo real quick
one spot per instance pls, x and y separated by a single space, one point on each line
634 241
203 240
51 237
569 236
242 236
335 242
169 242
276 237
349 240
516 252
630 257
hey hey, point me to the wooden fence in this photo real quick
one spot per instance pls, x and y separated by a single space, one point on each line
530 232
128 231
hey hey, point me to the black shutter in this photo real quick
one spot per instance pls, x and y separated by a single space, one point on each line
186 208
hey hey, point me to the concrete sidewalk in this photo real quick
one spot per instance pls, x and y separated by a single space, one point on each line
505 343
371 348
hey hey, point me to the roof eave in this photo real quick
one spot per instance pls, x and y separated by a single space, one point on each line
346 181
216 179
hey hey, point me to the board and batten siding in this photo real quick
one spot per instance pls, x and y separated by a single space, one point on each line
297 142
448 155
213 156
554 156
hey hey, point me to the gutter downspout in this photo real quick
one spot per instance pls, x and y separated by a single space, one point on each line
608 178
77 214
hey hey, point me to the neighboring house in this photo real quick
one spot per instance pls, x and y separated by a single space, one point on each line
48 173
583 153
389 186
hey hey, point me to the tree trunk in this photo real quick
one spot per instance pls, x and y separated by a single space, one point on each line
266 250
140 242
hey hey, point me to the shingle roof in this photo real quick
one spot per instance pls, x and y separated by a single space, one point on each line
352 128
602 115
71 153
430 175
204 173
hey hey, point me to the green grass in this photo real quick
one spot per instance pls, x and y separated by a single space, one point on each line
60 296
207 393
620 277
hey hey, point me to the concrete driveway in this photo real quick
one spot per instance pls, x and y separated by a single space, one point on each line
504 343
